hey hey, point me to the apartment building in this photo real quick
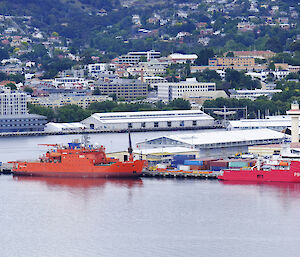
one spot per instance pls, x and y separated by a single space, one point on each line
59 100
135 57
12 102
232 62
129 89
14 116
182 89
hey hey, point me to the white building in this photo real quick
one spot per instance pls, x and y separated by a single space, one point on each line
70 82
190 87
96 67
149 120
154 80
182 58
151 68
12 102
253 94
57 127
277 123
216 143
135 57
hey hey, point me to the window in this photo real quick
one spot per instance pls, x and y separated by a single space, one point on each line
156 124
143 124
169 124
182 123
194 123
129 125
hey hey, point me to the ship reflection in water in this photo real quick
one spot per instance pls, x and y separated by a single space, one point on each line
285 189
81 183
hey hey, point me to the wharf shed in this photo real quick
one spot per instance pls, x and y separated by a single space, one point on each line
277 123
149 120
217 143
57 127
156 155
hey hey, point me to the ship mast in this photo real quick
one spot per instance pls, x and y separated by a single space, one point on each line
130 147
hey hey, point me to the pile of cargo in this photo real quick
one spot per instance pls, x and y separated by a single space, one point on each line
181 158
188 164
231 164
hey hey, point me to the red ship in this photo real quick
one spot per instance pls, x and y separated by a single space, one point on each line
80 162
278 171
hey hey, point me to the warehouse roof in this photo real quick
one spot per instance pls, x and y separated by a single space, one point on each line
150 116
74 125
218 137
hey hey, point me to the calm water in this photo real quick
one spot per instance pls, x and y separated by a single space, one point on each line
45 217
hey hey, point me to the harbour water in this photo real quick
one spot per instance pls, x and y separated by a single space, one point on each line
143 217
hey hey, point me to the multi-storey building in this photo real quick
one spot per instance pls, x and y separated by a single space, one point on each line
70 82
72 73
129 89
12 102
232 61
151 68
182 89
59 100
14 116
153 80
135 57
255 54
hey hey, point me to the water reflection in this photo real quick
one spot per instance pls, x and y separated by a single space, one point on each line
81 183
284 188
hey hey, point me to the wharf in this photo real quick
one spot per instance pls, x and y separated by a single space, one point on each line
165 174
94 131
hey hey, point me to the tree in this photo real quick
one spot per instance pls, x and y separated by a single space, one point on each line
3 54
180 104
203 56
45 111
12 86
17 77
105 106
230 54
28 90
295 46
71 113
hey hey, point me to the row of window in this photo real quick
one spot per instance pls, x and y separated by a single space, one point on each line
21 125
156 124
15 120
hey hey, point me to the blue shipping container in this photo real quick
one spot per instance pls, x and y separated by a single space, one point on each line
215 168
193 162
184 157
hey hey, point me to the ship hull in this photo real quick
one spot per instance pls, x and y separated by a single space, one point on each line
116 170
260 176
63 174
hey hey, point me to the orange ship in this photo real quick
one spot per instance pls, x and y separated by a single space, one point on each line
81 162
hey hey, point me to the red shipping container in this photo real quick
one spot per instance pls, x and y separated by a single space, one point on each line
219 163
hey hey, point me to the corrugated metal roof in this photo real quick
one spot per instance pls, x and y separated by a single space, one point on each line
220 137
165 150
165 119
127 114
261 123
216 137
66 125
